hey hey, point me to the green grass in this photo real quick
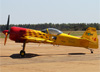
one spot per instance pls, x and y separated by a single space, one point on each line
75 33
78 33
2 35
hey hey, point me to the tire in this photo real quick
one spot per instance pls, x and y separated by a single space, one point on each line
22 53
92 52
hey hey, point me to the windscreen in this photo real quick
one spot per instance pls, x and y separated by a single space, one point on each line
52 31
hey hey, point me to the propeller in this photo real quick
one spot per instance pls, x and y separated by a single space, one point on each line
7 27
5 38
6 32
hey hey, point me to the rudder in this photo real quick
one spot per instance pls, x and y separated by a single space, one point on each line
91 35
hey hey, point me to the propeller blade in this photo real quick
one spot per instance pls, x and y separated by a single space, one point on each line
7 28
5 38
6 32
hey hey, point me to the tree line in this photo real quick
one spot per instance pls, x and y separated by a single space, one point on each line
62 27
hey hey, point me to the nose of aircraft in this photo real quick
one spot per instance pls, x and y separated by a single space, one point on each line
5 31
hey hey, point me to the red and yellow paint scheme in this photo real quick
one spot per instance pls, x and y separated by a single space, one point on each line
51 36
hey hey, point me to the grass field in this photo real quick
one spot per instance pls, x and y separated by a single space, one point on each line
74 33
78 33
1 35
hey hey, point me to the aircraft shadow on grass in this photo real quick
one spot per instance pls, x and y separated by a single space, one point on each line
30 55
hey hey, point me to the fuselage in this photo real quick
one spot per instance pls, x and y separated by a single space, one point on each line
17 34
69 40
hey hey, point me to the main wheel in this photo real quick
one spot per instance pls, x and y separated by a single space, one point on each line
22 53
92 52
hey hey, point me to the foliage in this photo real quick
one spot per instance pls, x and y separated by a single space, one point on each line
62 27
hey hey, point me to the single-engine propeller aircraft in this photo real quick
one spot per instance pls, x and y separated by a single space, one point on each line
53 36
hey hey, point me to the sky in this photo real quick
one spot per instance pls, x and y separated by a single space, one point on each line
49 11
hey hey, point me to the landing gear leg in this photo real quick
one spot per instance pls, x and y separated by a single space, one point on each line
91 51
22 52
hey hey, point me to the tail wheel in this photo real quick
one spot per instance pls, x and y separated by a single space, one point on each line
22 53
91 51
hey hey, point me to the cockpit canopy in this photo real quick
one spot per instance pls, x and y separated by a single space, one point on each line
52 31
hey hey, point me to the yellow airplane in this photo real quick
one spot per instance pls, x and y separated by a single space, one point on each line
53 36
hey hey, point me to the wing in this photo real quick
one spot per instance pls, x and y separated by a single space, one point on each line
36 39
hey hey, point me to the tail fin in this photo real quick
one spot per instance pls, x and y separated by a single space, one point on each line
91 35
